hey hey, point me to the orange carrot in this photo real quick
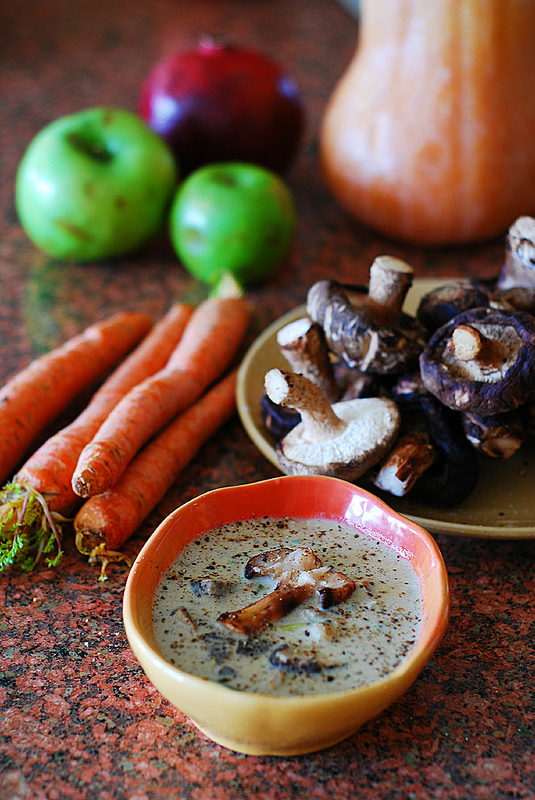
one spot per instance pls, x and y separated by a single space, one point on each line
37 394
106 521
49 470
210 341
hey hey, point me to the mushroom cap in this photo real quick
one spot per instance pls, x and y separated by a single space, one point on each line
497 436
443 303
519 266
372 426
338 308
521 298
454 474
464 385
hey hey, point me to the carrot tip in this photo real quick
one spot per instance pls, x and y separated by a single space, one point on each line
81 487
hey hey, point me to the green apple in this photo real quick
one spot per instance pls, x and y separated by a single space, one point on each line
232 218
94 184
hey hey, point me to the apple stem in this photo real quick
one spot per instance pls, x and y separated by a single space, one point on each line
209 43
91 147
227 286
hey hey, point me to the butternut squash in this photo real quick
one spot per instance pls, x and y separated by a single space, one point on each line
429 136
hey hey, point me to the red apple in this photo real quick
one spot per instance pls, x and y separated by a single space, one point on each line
220 102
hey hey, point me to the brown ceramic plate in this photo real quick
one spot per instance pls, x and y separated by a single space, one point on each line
501 507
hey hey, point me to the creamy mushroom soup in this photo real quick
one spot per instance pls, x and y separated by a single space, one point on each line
370 622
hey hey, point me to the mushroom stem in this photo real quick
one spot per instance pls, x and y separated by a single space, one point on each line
268 609
303 345
519 265
318 419
390 280
469 344
410 457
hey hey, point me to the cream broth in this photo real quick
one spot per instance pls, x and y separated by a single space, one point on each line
309 650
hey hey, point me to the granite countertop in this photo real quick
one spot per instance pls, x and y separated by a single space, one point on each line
78 718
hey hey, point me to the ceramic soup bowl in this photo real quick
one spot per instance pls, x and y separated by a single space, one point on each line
268 724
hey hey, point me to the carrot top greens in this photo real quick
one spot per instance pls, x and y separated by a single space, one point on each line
28 530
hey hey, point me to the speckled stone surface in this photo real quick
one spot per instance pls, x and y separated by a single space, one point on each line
78 718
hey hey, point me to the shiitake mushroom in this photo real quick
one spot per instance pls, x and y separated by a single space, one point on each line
367 328
481 361
454 473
